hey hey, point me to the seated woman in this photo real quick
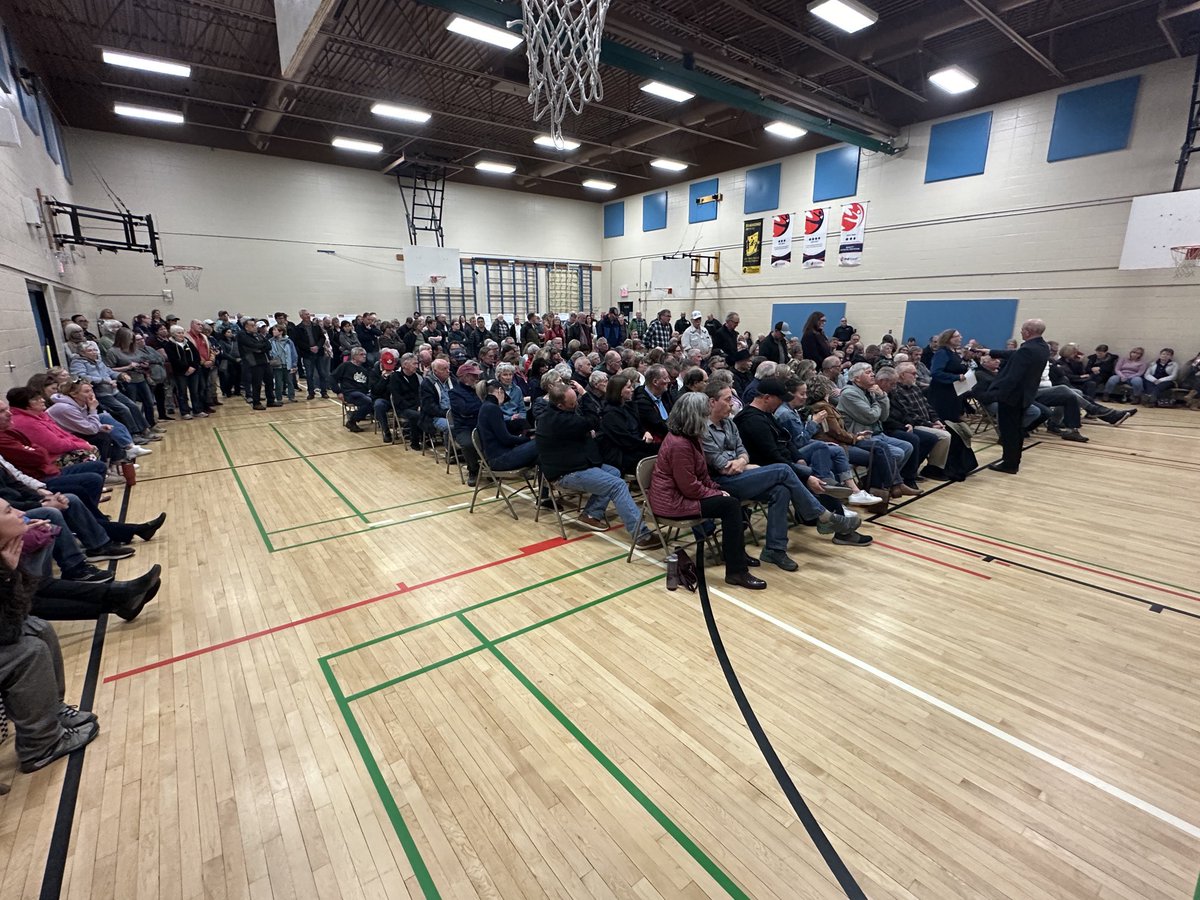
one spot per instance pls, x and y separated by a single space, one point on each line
1129 371
513 404
31 419
503 450
681 487
58 386
860 449
75 411
622 443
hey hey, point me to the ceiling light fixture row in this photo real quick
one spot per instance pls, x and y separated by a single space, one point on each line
848 15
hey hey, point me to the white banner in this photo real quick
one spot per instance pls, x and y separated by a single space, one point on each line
854 226
781 240
816 222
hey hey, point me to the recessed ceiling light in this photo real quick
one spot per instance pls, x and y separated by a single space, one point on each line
145 63
595 184
358 146
671 165
407 113
498 168
480 32
658 89
544 140
848 15
148 113
784 130
953 80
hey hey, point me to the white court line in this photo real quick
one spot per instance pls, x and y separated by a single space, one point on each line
1162 815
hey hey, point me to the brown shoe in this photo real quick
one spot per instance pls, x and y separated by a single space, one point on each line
906 491
649 542
594 524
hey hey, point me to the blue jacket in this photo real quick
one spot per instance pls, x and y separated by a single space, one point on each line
494 436
464 404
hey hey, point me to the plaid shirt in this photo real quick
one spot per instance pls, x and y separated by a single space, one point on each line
912 405
659 335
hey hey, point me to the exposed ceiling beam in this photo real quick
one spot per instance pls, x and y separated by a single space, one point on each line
1007 30
707 86
753 12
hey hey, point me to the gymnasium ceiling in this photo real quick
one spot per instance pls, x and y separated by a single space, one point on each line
873 83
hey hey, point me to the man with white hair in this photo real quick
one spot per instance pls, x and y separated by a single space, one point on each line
911 410
696 336
865 407
1015 388
351 380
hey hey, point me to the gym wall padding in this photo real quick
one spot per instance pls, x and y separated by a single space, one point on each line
762 189
654 211
836 174
702 212
614 219
991 322
1091 120
958 148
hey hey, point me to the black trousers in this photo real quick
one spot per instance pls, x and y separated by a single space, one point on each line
1012 433
733 539
260 375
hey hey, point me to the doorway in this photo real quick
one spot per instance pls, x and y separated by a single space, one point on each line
43 323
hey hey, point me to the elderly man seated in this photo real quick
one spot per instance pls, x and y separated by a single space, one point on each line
568 454
435 398
911 412
464 404
352 379
652 401
865 407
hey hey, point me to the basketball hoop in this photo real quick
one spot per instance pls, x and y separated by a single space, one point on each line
437 280
562 38
191 275
1187 257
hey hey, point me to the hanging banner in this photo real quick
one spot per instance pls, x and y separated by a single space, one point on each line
781 241
752 232
815 224
854 226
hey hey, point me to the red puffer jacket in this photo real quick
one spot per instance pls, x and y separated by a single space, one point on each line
680 479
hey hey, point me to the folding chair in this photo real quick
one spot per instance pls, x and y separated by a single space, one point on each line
666 526
498 478
400 427
557 495
984 418
3 737
452 455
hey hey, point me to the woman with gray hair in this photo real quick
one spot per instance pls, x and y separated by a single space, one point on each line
184 361
513 405
681 487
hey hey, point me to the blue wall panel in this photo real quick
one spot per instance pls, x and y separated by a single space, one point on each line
762 188
614 219
1093 120
991 322
958 148
654 211
836 174
702 212
796 314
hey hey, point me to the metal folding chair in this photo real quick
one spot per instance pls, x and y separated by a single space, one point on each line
557 495
452 454
499 478
664 527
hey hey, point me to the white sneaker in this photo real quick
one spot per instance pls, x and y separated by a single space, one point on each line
114 479
135 451
862 498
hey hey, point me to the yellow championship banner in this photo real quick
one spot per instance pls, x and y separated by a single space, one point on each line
752 233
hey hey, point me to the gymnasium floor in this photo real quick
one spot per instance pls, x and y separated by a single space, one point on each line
350 686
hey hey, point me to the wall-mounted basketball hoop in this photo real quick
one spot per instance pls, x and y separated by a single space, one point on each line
137 233
1186 257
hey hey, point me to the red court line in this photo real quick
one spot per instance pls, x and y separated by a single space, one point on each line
880 543
974 554
401 588
1053 559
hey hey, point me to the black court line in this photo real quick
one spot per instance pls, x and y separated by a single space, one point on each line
265 462
64 821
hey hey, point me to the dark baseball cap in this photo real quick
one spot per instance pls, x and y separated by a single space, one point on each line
773 387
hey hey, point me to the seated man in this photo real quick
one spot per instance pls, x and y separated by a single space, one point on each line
503 450
652 402
568 454
1064 399
775 484
400 390
766 443
464 407
865 407
911 412
351 379
1067 369
435 398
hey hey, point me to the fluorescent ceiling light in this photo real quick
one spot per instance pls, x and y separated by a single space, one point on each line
358 146
953 80
145 63
544 140
784 130
595 184
671 165
148 113
407 113
480 32
658 89
848 15
498 168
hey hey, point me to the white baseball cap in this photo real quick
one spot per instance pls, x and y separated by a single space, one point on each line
696 314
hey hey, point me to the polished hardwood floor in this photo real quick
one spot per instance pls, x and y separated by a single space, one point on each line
351 686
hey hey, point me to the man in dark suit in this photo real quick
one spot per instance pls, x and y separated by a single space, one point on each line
1014 389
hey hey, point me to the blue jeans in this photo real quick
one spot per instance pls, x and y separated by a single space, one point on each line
1136 385
757 483
85 480
317 368
124 410
362 405
819 457
66 551
188 386
912 455
606 486
120 434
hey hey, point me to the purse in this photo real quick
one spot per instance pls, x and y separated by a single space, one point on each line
685 569
73 457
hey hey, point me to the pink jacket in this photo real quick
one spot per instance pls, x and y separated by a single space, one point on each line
680 479
44 432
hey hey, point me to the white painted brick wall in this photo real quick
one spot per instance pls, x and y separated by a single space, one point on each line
255 223
952 239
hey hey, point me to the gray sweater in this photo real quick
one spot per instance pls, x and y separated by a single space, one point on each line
863 411
722 445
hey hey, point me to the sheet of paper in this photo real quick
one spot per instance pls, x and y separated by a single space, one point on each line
961 387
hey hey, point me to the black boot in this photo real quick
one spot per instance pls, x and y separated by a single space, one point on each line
128 597
147 530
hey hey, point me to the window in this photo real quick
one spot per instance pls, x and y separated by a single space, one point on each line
49 129
27 101
62 153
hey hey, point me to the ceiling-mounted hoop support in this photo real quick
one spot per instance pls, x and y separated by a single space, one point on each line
137 232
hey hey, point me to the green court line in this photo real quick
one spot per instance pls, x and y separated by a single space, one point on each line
239 426
471 608
416 518
370 512
411 851
689 846
354 509
245 495
1196 895
1087 562
513 634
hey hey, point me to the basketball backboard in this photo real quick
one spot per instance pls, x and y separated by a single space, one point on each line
1158 222
422 263
671 278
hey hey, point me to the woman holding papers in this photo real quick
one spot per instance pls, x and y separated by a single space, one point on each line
948 370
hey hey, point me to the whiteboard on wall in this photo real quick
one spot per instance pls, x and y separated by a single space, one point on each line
1158 222
422 262
671 278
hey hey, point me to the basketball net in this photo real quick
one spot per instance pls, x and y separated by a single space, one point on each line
1187 257
562 39
191 275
